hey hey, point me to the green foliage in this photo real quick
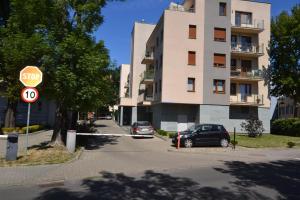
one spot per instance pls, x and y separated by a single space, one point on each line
172 134
284 55
289 127
253 127
162 132
291 144
31 129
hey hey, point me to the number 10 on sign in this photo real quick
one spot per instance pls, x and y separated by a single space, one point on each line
29 95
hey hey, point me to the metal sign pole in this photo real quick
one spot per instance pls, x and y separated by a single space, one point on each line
27 128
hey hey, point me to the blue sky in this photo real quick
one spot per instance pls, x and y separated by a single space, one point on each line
119 18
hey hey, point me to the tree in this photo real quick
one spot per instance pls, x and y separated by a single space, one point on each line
285 55
21 44
75 66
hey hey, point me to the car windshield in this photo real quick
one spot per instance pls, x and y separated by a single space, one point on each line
143 123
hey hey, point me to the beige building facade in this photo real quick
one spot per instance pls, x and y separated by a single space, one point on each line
203 62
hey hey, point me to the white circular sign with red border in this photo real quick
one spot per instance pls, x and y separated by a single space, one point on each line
29 95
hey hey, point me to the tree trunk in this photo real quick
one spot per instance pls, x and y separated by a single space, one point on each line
60 126
295 109
10 115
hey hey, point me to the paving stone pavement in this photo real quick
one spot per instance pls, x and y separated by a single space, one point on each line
131 156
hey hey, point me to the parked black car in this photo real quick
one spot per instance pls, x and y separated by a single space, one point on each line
203 134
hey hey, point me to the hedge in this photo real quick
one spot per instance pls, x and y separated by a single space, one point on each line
289 127
31 129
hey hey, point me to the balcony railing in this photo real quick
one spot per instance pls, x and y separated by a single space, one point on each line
180 8
148 74
247 48
255 24
253 75
149 58
245 99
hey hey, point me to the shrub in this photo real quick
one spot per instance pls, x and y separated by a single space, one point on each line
291 144
289 127
162 132
171 135
31 129
253 127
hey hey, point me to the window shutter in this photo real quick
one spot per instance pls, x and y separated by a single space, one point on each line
220 34
192 32
220 60
192 58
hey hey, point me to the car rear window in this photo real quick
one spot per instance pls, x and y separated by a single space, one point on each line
143 123
206 128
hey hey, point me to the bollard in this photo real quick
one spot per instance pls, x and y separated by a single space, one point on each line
71 141
12 147
178 141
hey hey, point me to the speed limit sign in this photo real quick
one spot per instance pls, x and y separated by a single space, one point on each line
29 95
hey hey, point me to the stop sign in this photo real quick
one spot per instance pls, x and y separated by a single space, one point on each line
31 76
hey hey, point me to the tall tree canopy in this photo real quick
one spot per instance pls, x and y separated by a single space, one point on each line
56 35
285 55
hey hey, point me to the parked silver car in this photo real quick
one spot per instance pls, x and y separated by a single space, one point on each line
142 128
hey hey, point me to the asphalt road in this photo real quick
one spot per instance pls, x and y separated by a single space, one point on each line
123 168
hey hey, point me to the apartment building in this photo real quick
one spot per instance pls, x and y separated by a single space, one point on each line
203 62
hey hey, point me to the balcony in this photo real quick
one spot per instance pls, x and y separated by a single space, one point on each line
247 50
256 26
148 77
145 99
148 59
254 75
247 100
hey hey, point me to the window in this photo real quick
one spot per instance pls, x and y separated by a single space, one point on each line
192 58
243 18
220 34
219 86
155 87
219 60
206 128
222 9
192 32
157 41
156 64
191 84
246 89
233 89
233 64
160 86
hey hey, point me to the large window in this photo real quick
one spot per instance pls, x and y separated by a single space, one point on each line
220 34
219 60
192 58
192 32
219 86
222 9
233 89
243 18
191 84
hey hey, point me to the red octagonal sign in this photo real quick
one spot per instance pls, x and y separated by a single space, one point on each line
29 95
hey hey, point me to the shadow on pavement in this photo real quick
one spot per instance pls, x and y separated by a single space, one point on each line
96 142
282 176
151 186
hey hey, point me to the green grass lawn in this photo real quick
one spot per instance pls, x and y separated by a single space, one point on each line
267 141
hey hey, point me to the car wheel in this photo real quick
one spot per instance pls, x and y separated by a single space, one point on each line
224 143
188 143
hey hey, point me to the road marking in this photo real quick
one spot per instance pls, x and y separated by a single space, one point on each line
116 135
